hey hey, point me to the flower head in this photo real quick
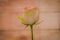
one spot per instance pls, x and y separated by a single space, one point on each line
31 16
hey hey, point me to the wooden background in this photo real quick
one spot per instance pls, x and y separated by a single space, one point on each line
12 29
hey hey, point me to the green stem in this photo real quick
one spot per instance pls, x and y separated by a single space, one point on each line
31 26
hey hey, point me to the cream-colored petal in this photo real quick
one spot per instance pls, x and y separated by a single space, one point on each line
31 15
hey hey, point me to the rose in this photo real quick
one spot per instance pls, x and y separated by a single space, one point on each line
31 17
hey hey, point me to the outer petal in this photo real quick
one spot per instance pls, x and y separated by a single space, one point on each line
22 19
